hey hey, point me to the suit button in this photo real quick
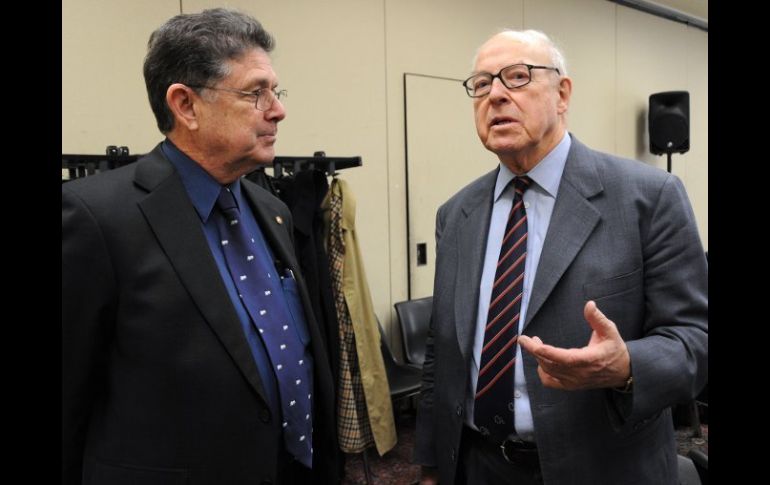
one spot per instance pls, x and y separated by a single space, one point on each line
264 415
452 455
459 410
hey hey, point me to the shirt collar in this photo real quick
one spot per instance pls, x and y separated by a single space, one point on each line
202 189
546 173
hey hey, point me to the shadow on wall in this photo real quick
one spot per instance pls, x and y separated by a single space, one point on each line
642 137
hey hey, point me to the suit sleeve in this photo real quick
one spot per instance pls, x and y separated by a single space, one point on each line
669 363
88 305
424 450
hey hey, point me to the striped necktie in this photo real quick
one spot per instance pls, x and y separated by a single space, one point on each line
493 408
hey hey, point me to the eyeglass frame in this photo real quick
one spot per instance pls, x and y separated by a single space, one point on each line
257 93
498 76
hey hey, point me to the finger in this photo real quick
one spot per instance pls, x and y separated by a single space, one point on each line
556 355
598 321
548 380
555 369
529 344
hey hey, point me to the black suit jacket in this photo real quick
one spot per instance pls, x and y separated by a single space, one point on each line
158 382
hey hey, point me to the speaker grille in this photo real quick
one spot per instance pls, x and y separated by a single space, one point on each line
669 122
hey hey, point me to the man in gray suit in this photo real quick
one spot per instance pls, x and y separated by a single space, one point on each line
611 326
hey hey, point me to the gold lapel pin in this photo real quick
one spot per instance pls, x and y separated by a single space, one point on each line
279 219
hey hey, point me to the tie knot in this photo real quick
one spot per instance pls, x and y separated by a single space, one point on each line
521 184
226 201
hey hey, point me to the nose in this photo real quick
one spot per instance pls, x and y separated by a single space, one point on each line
498 91
277 111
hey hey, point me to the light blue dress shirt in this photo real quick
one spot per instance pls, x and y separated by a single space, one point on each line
539 200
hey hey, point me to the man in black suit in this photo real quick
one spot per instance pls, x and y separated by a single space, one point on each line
166 378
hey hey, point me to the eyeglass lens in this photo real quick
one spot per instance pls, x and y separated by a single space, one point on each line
512 77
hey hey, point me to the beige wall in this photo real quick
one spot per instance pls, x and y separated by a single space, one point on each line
343 63
104 101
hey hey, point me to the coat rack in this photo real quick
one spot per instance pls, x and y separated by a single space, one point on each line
319 160
84 165
114 157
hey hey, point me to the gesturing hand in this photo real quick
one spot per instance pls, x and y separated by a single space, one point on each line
604 362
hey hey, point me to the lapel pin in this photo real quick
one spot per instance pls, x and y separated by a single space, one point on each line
279 219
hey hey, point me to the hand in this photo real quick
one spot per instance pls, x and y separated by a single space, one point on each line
429 475
604 362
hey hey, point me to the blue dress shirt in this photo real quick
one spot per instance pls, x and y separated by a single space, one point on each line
539 200
203 191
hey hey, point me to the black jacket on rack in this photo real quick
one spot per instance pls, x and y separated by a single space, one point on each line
303 193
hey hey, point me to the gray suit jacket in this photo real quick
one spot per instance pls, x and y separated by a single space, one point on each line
623 234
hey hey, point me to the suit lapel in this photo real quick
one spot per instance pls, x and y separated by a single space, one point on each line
277 232
272 225
471 237
573 219
172 218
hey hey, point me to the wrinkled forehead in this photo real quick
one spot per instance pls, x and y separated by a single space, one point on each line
505 49
253 66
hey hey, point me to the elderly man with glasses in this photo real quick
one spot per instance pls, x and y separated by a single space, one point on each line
560 338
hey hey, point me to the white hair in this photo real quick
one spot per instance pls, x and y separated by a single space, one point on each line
534 37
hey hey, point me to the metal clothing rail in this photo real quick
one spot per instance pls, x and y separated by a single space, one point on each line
319 161
83 165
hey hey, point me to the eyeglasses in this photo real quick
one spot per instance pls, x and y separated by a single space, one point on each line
264 96
513 76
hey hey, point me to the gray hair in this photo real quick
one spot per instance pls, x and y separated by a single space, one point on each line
535 37
193 49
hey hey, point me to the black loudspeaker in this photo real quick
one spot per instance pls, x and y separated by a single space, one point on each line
669 122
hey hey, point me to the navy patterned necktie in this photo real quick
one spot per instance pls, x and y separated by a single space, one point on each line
493 407
261 290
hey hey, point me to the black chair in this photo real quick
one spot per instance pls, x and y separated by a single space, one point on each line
702 400
688 474
414 319
695 412
701 461
403 379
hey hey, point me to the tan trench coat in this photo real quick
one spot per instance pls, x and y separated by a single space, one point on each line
359 302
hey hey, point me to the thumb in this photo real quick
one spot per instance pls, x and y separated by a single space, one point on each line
602 325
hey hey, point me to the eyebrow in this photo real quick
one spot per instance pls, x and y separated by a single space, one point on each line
261 84
473 73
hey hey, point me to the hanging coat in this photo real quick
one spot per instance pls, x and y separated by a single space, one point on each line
367 337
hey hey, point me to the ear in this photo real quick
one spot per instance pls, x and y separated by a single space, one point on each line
565 93
181 100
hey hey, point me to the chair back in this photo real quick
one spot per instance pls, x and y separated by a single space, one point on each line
688 474
414 320
403 380
701 461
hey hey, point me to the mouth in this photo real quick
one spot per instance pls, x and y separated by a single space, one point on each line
269 138
501 121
